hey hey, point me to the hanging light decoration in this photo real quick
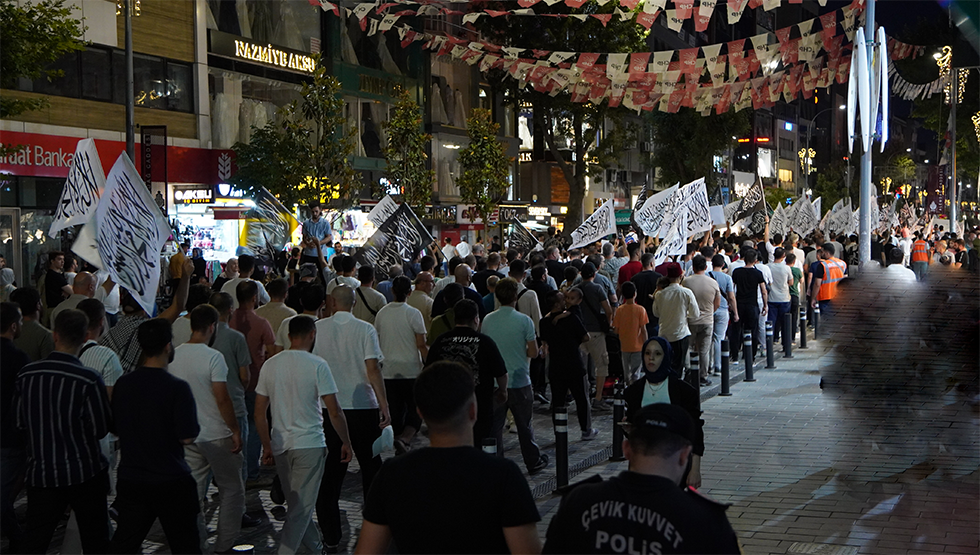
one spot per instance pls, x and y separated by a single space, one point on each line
976 124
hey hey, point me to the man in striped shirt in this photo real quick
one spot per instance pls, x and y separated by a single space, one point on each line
64 409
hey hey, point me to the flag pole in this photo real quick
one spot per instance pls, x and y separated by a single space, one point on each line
864 207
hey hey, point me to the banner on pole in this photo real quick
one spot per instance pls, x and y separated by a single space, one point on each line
131 232
268 227
651 215
693 197
83 188
754 201
399 238
675 241
521 240
602 222
382 211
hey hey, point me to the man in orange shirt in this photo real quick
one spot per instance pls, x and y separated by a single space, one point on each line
920 256
630 323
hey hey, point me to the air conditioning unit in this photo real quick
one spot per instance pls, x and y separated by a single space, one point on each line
612 176
646 146
626 176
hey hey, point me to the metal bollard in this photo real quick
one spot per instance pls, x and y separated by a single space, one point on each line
619 413
725 373
561 446
803 327
747 352
787 335
694 370
816 322
490 445
770 355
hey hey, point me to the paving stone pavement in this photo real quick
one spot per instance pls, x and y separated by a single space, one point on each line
806 470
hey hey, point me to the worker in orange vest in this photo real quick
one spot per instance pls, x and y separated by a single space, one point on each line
825 279
920 256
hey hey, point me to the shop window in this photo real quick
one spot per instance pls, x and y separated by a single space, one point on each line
242 102
180 88
64 85
786 175
97 74
291 23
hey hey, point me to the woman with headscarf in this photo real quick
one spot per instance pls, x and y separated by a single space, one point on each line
661 384
230 272
6 284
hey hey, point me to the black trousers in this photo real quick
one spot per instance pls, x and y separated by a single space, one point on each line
678 353
748 321
538 381
46 507
563 383
401 403
362 427
794 312
483 427
174 502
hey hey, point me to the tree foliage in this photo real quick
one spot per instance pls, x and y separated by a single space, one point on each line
934 113
570 130
405 154
686 143
484 164
832 185
33 35
305 154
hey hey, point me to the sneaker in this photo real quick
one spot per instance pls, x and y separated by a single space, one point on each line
330 549
705 382
590 434
539 397
539 466
275 493
249 521
599 406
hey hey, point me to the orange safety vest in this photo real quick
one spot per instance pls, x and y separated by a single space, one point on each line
920 252
833 272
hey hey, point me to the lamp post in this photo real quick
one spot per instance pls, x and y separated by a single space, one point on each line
127 7
809 133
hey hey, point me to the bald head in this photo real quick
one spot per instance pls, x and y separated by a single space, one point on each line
84 284
343 298
462 274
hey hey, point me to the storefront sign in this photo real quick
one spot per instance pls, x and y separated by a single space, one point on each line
42 155
467 214
508 213
226 191
538 211
153 149
234 46
376 85
196 195
445 215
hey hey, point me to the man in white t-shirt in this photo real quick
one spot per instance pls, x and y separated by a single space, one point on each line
312 299
294 383
197 295
217 450
463 248
401 331
246 265
779 297
351 347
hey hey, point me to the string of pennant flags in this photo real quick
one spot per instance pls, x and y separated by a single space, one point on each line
740 78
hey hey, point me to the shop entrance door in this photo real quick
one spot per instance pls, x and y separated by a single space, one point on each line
10 245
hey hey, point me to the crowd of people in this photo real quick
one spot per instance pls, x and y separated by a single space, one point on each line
307 370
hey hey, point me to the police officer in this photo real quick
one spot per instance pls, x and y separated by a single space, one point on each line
643 510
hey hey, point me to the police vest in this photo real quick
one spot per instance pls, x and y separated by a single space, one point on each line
920 251
833 272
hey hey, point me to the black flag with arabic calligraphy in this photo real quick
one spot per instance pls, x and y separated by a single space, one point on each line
521 239
754 201
401 237
640 199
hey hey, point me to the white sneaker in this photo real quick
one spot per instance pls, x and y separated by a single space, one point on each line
590 434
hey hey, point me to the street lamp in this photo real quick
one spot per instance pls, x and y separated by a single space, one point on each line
809 132
128 8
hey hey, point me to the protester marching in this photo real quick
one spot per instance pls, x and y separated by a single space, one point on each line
182 405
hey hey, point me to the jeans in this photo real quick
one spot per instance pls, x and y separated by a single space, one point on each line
596 348
401 404
363 429
561 385
520 401
46 507
678 360
701 342
920 269
13 460
776 313
215 458
718 333
300 471
631 363
174 502
245 430
253 445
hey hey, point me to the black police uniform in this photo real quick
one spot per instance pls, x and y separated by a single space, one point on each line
639 514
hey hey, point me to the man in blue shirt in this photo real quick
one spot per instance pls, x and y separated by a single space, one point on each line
319 230
513 333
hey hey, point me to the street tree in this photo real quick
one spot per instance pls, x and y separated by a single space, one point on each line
570 130
405 153
305 154
484 164
685 143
